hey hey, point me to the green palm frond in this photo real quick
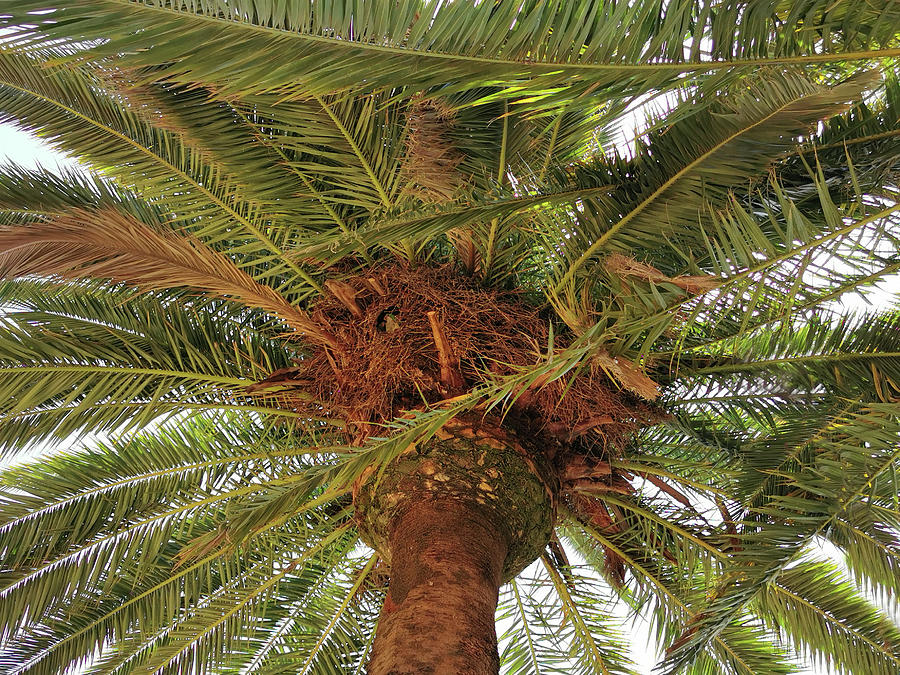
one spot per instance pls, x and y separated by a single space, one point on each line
47 193
710 151
559 622
666 592
350 144
583 46
852 356
70 107
339 637
857 146
77 357
871 550
766 267
133 507
216 135
807 502
826 617
475 211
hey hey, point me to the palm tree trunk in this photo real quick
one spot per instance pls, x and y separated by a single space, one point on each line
446 571
455 519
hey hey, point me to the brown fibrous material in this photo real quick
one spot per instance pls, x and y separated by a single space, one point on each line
431 160
410 338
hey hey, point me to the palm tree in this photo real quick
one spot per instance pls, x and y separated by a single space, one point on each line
362 324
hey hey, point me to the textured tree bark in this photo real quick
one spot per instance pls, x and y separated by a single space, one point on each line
439 613
454 519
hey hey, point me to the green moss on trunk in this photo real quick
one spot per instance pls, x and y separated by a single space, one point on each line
477 464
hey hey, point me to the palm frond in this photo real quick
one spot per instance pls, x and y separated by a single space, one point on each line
111 523
76 358
72 109
586 47
109 244
564 617
248 155
854 356
704 154
762 277
429 223
871 551
805 504
666 593
858 148
827 618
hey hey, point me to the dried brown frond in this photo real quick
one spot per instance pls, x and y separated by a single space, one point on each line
127 84
629 376
668 489
131 87
162 106
594 513
466 250
426 334
109 244
623 266
431 159
614 567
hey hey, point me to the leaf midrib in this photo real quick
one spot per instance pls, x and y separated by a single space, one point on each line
530 65
662 189
125 370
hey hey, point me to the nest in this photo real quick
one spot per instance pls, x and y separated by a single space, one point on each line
413 337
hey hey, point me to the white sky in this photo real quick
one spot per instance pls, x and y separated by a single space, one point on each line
28 151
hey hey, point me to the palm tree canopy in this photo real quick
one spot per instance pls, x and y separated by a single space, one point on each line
313 234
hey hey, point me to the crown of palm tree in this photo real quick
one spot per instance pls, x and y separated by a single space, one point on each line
319 237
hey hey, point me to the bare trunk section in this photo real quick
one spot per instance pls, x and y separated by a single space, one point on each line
454 519
447 564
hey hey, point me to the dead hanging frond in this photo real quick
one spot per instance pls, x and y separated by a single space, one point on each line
628 375
106 243
431 160
622 266
131 87
466 250
593 512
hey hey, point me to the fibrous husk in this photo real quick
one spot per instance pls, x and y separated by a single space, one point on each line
409 338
